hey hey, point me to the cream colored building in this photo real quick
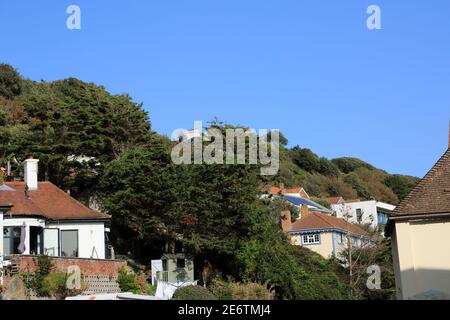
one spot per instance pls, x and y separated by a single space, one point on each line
421 237
323 234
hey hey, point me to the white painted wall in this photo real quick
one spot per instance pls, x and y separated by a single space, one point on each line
369 209
90 235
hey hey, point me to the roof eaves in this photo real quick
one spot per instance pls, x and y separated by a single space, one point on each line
422 184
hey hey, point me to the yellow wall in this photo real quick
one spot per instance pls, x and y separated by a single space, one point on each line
421 252
325 248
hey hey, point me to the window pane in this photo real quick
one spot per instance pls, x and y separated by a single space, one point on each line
69 243
51 242
6 242
181 263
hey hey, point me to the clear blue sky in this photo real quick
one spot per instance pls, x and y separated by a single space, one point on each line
309 68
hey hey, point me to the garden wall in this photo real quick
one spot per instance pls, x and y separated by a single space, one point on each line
88 267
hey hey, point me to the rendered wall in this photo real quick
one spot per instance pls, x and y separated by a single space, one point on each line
90 235
421 252
325 248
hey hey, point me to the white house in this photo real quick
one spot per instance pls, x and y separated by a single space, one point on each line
39 218
372 212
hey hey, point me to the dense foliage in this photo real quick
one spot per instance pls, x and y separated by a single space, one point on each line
10 82
193 293
231 290
74 128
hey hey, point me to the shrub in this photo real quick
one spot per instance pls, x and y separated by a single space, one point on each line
193 293
144 287
34 281
127 281
151 290
229 290
136 283
54 284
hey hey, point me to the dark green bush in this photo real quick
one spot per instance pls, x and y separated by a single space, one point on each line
193 293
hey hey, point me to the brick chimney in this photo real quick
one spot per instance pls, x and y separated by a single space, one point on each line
30 169
304 211
286 220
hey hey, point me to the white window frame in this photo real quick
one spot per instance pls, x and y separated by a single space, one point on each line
309 239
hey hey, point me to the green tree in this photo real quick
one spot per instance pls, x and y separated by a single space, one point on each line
10 81
64 121
401 185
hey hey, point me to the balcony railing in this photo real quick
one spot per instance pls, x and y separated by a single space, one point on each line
162 276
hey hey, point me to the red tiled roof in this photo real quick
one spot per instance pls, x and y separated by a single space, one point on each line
431 196
274 190
48 201
334 200
316 221
353 200
293 190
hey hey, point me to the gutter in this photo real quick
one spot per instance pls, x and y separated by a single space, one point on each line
40 216
309 231
428 216
80 220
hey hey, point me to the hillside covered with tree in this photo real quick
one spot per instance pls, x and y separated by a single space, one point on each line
97 144
348 177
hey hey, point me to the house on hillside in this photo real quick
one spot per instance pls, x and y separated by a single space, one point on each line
333 201
298 197
324 234
37 218
297 192
421 236
371 212
306 205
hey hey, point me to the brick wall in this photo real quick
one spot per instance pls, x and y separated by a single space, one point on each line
89 267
